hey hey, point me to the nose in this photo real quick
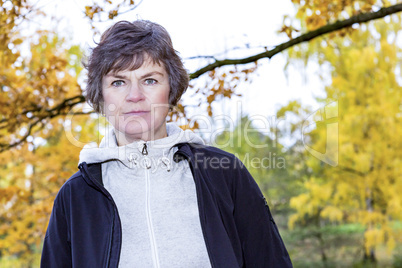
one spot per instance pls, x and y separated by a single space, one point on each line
135 93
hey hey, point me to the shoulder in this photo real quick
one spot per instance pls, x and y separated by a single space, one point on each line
76 190
75 182
208 151
213 159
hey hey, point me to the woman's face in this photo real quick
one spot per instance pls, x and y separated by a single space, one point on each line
136 102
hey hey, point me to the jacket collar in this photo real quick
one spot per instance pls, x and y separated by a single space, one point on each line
185 151
92 173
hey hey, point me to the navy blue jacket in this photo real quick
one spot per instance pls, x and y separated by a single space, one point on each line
239 231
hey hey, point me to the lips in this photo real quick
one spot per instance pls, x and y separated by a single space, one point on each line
136 112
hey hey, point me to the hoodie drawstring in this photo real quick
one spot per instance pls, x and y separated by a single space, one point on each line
166 161
133 158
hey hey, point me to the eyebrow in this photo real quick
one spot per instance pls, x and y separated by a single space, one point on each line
142 76
151 74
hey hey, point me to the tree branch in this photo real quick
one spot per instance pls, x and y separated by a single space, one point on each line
39 115
58 110
361 18
353 171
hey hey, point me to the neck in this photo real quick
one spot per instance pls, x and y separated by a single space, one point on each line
124 139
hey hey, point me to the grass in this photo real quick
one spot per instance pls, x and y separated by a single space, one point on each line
342 245
14 262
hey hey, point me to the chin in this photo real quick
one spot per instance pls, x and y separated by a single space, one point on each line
142 130
135 130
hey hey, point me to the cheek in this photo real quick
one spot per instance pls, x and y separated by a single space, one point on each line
164 97
165 101
111 104
159 99
161 105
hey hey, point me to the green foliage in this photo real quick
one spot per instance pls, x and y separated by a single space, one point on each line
397 262
269 162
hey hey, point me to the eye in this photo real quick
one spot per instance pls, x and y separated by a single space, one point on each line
150 81
118 83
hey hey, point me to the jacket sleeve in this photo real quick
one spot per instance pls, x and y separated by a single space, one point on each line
261 242
56 248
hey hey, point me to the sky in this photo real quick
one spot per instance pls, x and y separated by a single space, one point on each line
211 27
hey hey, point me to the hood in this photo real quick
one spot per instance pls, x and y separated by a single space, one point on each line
108 149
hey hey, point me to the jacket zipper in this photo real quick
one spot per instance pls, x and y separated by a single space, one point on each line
154 249
154 253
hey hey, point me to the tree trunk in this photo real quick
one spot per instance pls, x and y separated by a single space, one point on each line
369 257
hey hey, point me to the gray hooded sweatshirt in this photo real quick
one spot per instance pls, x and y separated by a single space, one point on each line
156 200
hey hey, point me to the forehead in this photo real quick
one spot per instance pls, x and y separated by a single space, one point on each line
138 62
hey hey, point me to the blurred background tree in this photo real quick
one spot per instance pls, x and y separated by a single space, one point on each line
342 205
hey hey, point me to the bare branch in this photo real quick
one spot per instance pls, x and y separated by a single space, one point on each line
361 18
49 114
40 114
6 146
119 13
131 9
200 57
246 47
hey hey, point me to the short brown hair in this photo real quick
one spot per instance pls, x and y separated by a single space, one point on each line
125 45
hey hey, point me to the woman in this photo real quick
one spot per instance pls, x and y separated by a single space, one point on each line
152 195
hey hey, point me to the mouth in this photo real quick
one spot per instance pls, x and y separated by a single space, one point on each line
137 113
